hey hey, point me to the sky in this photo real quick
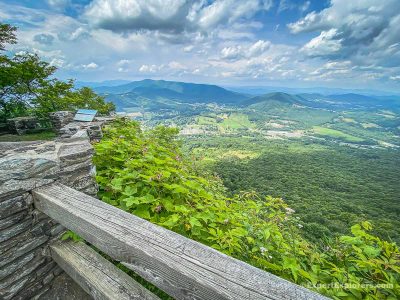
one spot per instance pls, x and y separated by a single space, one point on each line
293 43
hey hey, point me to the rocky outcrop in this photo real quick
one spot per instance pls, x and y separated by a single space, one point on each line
61 118
22 124
93 129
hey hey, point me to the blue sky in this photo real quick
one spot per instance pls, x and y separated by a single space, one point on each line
294 43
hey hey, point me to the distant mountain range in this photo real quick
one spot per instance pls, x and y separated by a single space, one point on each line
160 94
177 91
260 90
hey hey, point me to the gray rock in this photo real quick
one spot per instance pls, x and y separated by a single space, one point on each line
12 231
49 277
25 270
15 204
13 289
17 252
13 219
64 288
15 265
29 291
57 229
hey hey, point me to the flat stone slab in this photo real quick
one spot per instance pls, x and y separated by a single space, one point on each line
25 166
64 288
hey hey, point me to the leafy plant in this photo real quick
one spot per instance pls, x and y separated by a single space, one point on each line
71 235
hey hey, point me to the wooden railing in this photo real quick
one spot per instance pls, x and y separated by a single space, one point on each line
181 267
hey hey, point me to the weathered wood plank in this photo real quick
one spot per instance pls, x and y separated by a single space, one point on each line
183 268
96 275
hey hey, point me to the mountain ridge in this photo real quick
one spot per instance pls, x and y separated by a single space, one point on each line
165 94
190 92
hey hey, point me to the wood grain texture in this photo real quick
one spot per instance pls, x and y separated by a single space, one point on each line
96 275
183 268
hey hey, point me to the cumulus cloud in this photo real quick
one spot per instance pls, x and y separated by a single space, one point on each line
43 38
227 11
365 31
57 62
290 5
125 65
248 51
90 66
395 78
149 68
58 4
78 34
326 43
170 15
224 41
175 65
188 48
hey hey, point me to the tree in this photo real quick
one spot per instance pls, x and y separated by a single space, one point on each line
22 79
7 35
28 86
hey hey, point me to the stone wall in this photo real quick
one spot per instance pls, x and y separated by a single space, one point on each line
26 270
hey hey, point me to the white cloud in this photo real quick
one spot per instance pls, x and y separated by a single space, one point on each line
258 48
231 52
365 31
174 16
90 66
125 15
324 44
245 50
198 41
43 38
396 78
148 68
125 65
174 65
188 48
58 4
290 5
57 62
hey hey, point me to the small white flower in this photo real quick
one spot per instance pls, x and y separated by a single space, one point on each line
262 249
289 210
269 256
300 226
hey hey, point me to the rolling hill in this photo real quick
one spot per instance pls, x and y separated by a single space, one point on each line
177 91
272 99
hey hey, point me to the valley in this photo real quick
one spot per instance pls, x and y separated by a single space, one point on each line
333 159
349 119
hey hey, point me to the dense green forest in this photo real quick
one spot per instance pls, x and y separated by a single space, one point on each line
329 186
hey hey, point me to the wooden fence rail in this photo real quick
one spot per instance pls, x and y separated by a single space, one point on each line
183 268
96 275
